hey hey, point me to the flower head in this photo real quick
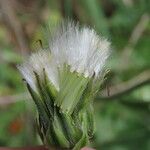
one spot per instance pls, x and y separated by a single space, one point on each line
61 82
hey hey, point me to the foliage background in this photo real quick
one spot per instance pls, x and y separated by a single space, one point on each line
122 120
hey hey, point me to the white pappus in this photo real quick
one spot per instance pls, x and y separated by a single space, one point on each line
79 47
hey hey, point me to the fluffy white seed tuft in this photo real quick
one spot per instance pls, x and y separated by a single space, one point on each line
38 62
80 48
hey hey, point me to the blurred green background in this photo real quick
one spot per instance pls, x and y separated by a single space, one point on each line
122 108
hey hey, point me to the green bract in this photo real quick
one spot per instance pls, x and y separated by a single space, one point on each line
65 117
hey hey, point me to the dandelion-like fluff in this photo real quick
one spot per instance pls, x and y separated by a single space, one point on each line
63 81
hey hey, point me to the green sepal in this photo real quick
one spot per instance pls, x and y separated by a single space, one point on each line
40 106
85 138
38 126
59 133
44 96
72 86
81 143
50 136
72 131
90 121
50 88
98 82
86 116
86 98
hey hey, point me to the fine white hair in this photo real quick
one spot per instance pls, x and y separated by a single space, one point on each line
79 47
38 62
